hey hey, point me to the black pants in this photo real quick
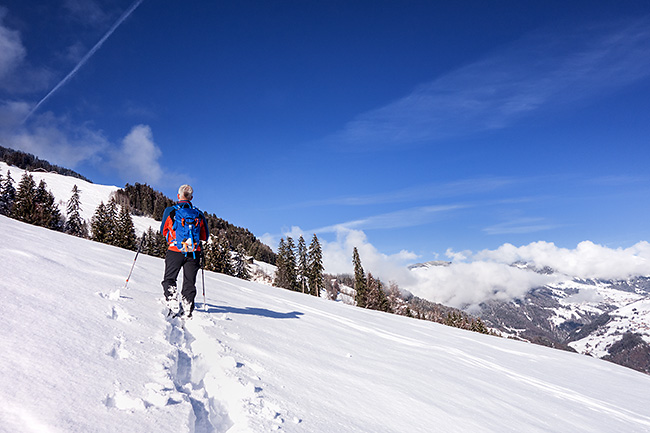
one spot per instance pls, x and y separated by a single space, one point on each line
174 261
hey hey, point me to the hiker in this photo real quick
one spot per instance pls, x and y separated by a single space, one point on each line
184 227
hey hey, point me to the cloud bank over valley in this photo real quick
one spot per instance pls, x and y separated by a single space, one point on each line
471 278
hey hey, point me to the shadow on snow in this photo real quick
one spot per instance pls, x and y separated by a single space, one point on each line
253 312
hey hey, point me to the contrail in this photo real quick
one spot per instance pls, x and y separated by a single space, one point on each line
94 49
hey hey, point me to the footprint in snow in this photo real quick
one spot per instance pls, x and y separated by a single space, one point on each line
119 314
124 401
118 351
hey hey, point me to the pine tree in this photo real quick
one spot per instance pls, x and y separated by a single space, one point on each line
479 326
217 254
111 222
315 266
285 275
359 280
223 255
209 254
240 267
280 272
101 225
303 268
291 267
153 243
75 225
24 208
47 211
160 245
147 243
7 195
376 297
124 236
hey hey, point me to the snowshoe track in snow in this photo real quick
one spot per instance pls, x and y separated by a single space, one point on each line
212 380
199 377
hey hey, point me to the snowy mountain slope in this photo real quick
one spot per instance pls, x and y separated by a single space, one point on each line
633 317
90 194
589 316
79 354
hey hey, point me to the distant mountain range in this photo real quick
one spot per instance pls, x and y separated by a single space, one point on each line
600 318
607 319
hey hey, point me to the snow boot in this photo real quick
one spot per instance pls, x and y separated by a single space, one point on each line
186 309
171 301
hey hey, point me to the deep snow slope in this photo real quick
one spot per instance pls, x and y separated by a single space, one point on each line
90 194
79 353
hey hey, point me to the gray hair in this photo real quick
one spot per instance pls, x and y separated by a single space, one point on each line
185 192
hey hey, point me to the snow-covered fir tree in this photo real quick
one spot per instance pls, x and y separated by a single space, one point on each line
280 275
376 297
217 254
24 208
47 211
303 268
111 210
285 275
359 280
240 264
292 267
153 243
74 224
315 267
124 230
7 194
101 224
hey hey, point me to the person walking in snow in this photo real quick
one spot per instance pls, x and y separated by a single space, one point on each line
184 227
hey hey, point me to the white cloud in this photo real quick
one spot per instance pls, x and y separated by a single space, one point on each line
138 157
464 285
584 295
428 191
476 277
12 51
488 274
402 218
457 256
56 138
270 240
460 284
87 12
48 137
518 226
61 142
16 75
11 114
295 232
587 260
337 257
546 69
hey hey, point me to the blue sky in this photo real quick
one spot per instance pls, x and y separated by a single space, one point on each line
429 127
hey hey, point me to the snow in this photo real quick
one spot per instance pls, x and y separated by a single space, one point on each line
81 353
633 317
631 313
90 194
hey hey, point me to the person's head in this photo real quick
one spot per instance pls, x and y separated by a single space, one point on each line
185 192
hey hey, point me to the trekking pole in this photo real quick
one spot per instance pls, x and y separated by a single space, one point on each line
133 265
205 305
